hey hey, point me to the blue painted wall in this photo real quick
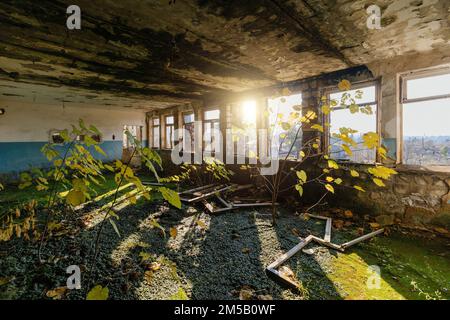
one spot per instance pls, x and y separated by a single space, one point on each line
21 156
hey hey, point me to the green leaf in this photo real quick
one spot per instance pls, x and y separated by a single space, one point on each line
2 187
114 227
98 293
338 181
171 196
99 150
107 166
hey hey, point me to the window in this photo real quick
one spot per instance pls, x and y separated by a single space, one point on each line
136 132
244 128
155 133
169 138
280 110
341 117
426 114
188 125
211 123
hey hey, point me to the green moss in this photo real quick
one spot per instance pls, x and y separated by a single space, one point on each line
410 268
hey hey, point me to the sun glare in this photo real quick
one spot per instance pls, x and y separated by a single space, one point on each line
249 111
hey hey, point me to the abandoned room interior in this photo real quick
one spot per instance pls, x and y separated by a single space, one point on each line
225 150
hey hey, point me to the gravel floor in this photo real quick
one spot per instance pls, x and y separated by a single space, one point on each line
211 257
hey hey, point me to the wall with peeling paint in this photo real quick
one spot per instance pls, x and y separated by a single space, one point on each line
25 128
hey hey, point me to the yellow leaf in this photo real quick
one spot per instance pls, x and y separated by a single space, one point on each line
56 293
302 154
332 164
98 293
347 149
302 175
344 85
354 173
329 179
201 224
326 109
379 182
359 188
58 163
317 127
315 146
338 181
329 187
173 232
370 140
75 198
154 266
382 172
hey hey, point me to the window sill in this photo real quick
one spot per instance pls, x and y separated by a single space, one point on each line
423 169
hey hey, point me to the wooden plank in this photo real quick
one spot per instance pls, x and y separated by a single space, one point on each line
280 260
316 217
327 237
224 202
328 244
287 280
262 204
209 194
362 238
197 189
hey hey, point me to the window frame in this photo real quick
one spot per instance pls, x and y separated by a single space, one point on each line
327 91
212 121
183 114
402 81
419 74
153 132
172 126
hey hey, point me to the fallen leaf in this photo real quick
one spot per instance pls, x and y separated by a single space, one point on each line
245 250
338 224
98 293
154 266
173 232
148 275
441 230
348 214
265 297
246 293
295 232
374 225
201 224
57 293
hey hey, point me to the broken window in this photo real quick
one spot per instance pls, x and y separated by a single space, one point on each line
281 110
211 127
188 126
169 138
244 128
426 114
155 133
362 119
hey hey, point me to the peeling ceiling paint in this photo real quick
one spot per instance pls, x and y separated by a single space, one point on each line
153 54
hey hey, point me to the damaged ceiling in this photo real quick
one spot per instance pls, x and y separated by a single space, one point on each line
148 54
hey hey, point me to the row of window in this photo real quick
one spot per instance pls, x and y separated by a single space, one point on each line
425 113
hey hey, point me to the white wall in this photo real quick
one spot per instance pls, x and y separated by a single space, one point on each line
32 122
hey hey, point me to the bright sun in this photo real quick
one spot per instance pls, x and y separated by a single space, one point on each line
249 112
